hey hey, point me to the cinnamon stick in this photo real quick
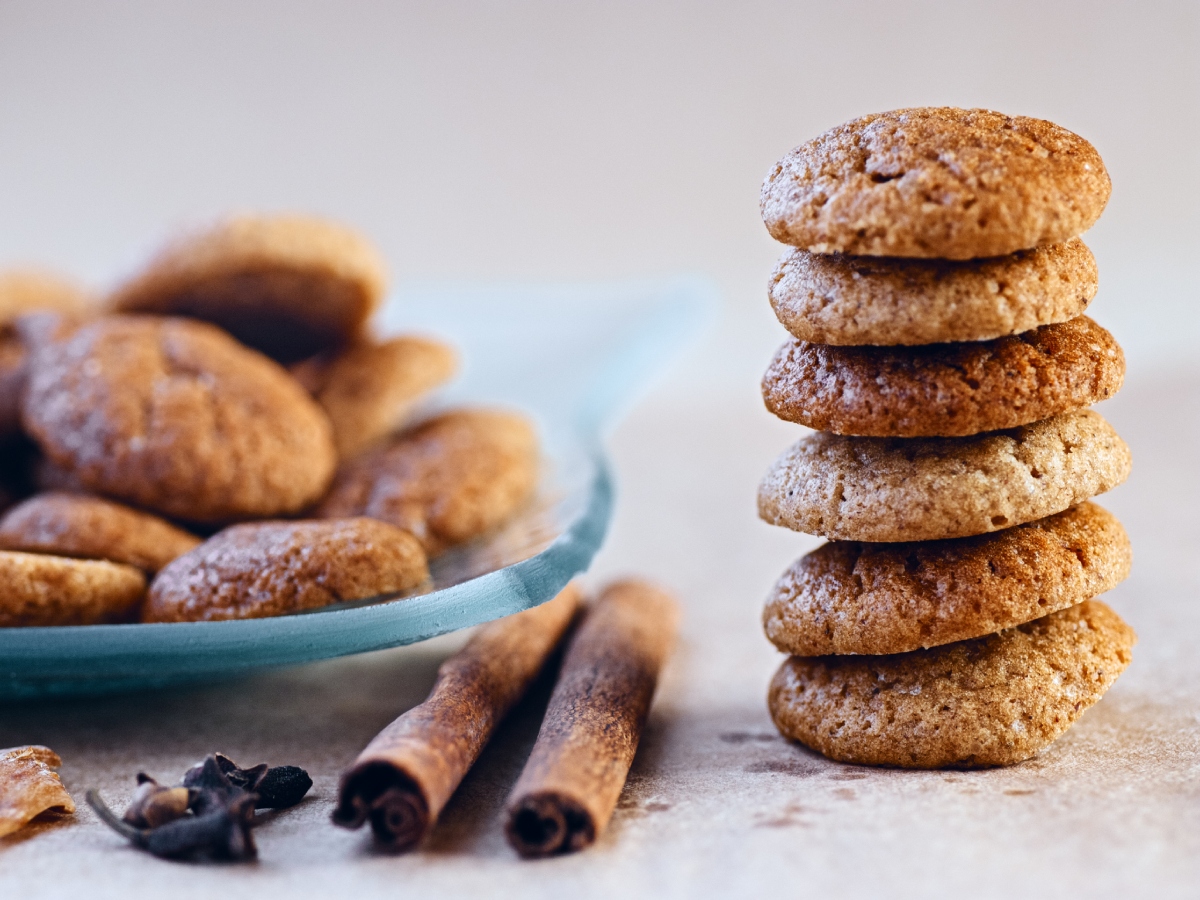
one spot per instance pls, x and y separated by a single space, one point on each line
569 788
404 777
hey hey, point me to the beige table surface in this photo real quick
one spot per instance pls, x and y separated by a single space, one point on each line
536 140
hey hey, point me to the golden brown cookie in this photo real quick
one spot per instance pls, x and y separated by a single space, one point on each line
36 290
936 182
945 390
850 597
89 527
833 298
37 590
175 416
262 569
368 390
290 286
447 480
922 489
991 701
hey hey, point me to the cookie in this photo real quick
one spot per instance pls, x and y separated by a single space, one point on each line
945 390
936 182
832 298
175 416
991 701
12 382
368 390
446 480
851 597
89 527
35 290
262 569
38 590
290 286
921 489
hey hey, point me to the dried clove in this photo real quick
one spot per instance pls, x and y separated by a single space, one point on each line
154 804
278 787
222 832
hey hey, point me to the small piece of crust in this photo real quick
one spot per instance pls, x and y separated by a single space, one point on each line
262 569
371 388
865 300
82 526
290 286
30 787
936 182
991 701
921 489
38 590
945 390
850 597
447 480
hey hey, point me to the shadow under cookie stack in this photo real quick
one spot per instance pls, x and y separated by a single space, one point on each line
935 290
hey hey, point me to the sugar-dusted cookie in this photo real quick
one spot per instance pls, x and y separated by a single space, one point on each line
446 480
79 525
369 389
37 590
936 182
834 298
946 390
921 489
262 569
290 286
991 701
851 597
175 416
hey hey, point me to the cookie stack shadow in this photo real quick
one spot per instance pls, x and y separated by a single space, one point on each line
935 292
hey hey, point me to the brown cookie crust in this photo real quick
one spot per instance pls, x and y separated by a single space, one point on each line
91 528
945 390
848 597
262 569
833 298
38 590
27 290
921 489
936 182
289 286
447 480
991 701
175 416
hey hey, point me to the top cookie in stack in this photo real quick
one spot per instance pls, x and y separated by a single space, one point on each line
935 293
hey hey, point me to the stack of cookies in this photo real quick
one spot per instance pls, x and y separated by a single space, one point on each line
935 290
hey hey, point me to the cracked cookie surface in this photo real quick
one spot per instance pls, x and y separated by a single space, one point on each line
38 590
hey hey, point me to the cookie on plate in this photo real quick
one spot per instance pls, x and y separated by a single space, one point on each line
447 480
175 416
833 298
850 597
78 525
991 701
262 569
921 489
936 182
289 286
39 590
945 390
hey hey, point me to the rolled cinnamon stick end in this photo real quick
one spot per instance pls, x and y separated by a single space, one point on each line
402 780
570 785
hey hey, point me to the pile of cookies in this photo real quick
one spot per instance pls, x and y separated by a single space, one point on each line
224 437
935 290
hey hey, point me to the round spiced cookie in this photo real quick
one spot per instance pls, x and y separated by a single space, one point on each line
39 590
834 298
991 701
262 569
290 286
936 182
175 416
850 597
446 480
923 489
92 528
945 390
28 290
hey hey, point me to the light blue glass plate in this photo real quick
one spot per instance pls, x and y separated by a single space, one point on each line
572 356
